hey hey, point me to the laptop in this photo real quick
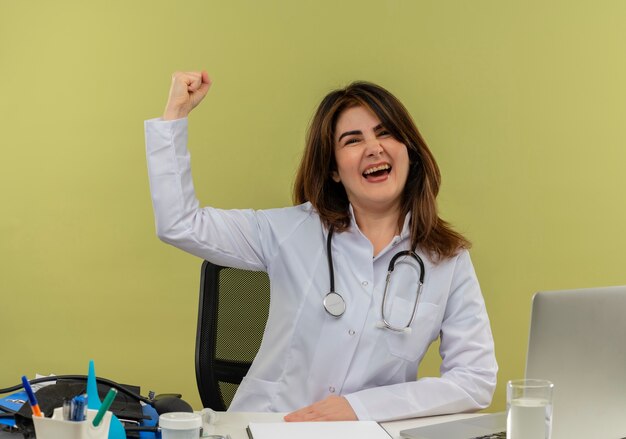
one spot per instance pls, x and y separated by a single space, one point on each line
577 341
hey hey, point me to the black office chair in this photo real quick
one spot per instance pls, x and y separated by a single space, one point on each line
233 310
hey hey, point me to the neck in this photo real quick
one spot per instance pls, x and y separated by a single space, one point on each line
379 227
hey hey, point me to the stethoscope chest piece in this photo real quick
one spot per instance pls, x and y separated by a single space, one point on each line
334 304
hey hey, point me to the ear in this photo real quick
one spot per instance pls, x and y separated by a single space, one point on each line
335 176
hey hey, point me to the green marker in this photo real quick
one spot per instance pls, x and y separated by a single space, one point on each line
108 400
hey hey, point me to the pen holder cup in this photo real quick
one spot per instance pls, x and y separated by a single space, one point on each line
56 427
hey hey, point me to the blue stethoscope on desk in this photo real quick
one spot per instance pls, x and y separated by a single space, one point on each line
335 305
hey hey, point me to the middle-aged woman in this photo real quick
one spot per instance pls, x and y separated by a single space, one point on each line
365 195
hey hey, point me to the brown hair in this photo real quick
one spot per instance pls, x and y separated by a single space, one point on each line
314 181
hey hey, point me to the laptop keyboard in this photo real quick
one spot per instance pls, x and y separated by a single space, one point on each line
500 435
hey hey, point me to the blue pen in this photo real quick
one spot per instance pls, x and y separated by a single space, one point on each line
31 397
78 408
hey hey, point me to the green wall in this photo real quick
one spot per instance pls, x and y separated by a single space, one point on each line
522 103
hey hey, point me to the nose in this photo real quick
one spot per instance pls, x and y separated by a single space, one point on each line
373 147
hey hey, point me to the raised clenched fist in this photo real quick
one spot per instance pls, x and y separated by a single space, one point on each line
186 92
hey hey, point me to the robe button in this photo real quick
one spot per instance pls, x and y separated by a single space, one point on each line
331 389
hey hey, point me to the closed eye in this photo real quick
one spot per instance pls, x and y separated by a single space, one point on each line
352 141
383 133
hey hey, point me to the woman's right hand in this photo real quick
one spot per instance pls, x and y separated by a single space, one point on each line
187 90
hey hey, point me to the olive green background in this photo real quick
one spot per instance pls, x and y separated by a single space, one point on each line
522 103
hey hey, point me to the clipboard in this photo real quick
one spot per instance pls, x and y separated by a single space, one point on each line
316 430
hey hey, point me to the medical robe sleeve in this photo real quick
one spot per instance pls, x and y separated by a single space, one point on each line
225 237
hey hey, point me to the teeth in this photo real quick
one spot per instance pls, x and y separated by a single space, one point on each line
376 168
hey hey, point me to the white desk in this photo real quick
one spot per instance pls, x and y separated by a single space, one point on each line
235 424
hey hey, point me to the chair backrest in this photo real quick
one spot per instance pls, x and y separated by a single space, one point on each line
232 314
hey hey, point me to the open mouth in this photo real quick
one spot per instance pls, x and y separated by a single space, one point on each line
377 171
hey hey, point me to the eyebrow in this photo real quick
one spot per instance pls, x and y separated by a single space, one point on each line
350 133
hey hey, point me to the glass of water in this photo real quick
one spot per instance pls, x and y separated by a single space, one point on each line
529 409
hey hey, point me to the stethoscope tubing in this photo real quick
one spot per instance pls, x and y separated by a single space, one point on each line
335 305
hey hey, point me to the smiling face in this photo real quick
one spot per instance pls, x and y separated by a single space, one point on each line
371 164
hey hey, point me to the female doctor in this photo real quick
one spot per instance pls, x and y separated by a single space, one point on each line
343 341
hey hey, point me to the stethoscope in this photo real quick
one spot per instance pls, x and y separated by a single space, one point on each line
335 305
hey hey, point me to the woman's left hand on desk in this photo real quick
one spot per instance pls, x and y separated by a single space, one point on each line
333 408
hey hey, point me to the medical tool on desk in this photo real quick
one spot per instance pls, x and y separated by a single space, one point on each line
136 418
161 403
335 305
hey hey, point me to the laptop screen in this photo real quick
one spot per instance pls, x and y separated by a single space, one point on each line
578 341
